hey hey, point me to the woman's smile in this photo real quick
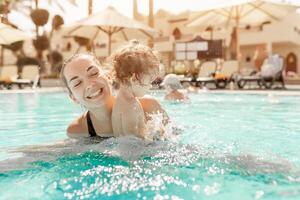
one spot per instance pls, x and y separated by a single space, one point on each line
95 93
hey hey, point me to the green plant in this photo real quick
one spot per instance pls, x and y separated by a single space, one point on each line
57 22
41 43
39 16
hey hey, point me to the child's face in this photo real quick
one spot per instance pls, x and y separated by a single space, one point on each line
140 87
139 90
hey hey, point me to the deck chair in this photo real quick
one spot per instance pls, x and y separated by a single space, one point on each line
29 77
206 73
253 77
226 74
272 72
190 80
8 74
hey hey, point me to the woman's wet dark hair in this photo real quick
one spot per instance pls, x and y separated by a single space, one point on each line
70 59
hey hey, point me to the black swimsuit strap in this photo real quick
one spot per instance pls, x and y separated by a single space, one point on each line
91 128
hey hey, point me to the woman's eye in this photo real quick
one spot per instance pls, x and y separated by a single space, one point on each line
77 84
94 74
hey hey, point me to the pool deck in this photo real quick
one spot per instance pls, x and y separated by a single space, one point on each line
290 90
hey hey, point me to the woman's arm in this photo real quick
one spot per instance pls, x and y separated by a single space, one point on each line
78 128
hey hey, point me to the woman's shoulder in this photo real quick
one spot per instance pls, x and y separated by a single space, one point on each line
78 127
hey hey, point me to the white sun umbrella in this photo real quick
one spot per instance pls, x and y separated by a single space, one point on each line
110 23
10 35
240 13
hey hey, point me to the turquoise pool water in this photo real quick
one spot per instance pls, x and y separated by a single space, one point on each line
231 146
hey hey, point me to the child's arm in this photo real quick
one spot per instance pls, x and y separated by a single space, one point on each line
128 118
133 123
152 106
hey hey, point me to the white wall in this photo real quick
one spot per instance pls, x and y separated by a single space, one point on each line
248 51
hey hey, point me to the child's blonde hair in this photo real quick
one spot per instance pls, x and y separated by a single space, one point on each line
134 59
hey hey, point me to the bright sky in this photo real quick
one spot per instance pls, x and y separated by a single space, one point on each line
74 13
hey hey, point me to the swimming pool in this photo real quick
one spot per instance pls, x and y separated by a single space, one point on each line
232 146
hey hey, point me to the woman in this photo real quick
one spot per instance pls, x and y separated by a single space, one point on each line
89 86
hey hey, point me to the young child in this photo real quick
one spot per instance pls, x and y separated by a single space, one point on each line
135 66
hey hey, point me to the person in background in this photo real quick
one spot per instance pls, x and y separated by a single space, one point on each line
172 85
259 57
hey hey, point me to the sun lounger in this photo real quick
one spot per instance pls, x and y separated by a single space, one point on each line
226 73
206 73
8 74
190 79
271 72
254 78
29 77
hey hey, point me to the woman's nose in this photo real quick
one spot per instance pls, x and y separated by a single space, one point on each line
90 84
90 81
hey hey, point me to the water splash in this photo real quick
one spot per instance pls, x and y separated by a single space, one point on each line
159 128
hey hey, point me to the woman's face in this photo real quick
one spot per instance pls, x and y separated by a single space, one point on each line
87 83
